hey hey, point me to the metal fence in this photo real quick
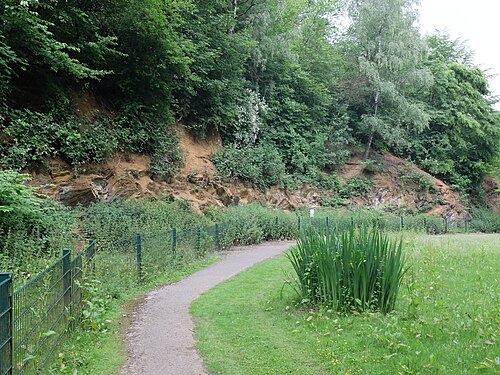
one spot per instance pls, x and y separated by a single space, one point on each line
426 224
35 318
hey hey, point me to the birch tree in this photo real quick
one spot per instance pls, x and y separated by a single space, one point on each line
386 52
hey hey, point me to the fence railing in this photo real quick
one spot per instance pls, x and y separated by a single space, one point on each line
429 225
35 318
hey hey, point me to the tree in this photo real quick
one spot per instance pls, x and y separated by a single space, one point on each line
33 50
385 53
463 137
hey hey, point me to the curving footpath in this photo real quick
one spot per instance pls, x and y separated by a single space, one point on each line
160 340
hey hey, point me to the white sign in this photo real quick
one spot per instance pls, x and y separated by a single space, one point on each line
311 213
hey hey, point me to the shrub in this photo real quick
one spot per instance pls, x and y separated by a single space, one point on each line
31 137
33 231
119 219
422 180
19 202
356 269
485 221
372 166
254 223
356 186
261 165
144 129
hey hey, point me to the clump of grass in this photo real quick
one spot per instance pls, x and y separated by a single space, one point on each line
356 269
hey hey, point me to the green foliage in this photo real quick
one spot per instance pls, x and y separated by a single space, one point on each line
485 221
359 269
385 53
119 219
331 201
20 204
313 177
464 133
155 52
33 231
260 164
423 181
96 306
31 137
28 29
372 166
300 121
253 223
356 186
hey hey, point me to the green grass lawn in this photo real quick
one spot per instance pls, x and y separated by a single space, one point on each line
446 321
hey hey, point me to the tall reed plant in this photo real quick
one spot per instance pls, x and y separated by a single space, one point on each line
360 268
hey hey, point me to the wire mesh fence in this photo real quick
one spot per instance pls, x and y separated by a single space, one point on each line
426 224
35 318
5 323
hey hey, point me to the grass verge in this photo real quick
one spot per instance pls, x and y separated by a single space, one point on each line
447 319
103 352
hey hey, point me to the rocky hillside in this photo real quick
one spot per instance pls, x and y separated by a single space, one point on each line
396 184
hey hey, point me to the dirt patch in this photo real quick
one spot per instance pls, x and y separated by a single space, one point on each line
127 314
197 152
492 193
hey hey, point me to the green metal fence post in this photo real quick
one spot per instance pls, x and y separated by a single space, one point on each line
138 243
425 225
6 324
298 223
445 225
352 221
217 236
401 223
327 224
174 240
67 277
466 225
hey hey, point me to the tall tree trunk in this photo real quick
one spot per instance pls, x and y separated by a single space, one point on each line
372 128
234 6
368 146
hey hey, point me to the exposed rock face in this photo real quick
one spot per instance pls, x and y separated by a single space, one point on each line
398 185
492 194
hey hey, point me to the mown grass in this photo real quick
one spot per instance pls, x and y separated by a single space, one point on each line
360 268
446 321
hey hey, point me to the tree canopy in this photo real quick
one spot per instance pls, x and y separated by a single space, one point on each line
279 80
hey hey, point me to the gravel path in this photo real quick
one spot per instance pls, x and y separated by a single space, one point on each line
160 340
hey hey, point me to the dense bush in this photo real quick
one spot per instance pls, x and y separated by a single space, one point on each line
33 231
31 137
120 218
261 165
356 186
254 223
485 221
